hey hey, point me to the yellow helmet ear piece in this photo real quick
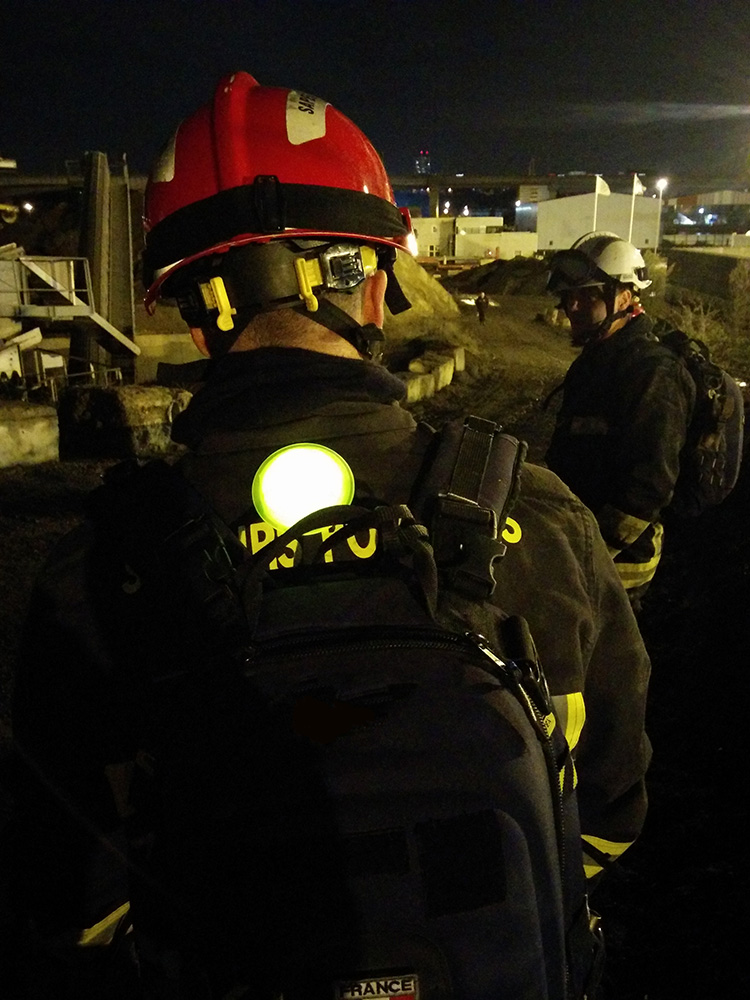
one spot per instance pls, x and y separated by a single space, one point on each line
309 277
214 294
298 480
369 260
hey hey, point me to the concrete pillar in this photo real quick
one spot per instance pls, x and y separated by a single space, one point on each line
95 246
434 200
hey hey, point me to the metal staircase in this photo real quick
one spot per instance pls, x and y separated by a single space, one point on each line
51 288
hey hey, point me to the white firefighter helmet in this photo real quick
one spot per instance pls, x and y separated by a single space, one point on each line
617 258
599 258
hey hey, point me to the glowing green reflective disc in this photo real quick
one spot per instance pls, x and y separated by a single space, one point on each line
298 480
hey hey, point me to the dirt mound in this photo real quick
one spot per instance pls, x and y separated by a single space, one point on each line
432 306
434 318
520 276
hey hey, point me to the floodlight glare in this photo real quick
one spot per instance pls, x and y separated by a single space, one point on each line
298 480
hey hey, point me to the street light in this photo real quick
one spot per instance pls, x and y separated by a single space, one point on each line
660 185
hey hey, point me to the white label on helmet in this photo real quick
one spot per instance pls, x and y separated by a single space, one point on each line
305 117
163 169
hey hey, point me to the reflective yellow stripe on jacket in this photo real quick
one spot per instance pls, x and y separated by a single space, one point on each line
619 530
635 574
570 712
103 932
612 848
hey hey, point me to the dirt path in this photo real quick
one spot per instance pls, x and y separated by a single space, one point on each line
514 361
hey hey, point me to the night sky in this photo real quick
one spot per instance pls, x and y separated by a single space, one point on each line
485 85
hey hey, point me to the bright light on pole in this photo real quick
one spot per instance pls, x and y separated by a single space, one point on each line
660 185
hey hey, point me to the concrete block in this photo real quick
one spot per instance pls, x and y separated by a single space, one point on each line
119 421
442 362
555 317
28 434
442 366
459 358
418 365
419 385
449 351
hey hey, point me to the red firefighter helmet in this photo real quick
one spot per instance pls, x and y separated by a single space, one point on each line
258 164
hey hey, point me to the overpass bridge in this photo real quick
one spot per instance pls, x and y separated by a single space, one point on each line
14 184
560 185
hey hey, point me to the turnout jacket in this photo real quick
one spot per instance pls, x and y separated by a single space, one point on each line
626 407
71 714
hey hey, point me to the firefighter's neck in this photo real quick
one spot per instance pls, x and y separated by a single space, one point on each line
621 310
287 328
616 325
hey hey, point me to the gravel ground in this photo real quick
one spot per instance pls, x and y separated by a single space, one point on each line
676 911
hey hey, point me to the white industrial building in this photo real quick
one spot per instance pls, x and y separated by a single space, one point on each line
470 237
561 221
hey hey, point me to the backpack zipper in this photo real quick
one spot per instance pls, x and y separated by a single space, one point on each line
367 638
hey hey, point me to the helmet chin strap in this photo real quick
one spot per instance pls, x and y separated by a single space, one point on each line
367 340
600 332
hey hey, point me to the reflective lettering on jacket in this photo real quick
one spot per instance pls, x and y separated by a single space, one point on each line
512 533
256 536
362 545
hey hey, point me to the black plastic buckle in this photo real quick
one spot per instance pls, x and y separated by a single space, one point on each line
475 576
369 341
268 201
466 546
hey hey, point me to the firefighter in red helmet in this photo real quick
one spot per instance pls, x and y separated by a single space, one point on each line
270 221
263 199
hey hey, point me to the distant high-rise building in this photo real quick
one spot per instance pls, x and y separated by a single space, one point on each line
422 162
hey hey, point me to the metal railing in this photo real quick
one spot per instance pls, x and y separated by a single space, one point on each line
46 286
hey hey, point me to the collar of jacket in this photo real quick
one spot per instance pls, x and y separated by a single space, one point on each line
639 326
273 385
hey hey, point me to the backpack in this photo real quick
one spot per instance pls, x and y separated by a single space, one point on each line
354 784
712 455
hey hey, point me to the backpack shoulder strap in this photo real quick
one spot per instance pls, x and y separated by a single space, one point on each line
168 532
464 493
680 343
